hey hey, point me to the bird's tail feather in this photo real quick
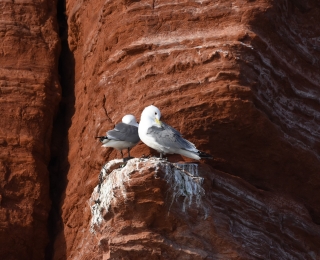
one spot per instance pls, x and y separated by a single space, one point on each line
197 155
102 138
204 155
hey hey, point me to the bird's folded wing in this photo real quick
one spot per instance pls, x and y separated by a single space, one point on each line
124 132
169 137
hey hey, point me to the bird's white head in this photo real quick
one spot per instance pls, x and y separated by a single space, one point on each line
153 114
130 120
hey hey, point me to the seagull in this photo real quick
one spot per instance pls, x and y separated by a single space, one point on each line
164 138
123 136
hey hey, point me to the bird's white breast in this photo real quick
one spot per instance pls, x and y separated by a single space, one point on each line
146 138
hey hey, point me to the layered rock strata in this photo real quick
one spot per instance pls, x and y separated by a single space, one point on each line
29 97
237 78
153 209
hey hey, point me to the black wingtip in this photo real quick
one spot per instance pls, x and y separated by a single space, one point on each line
101 138
204 155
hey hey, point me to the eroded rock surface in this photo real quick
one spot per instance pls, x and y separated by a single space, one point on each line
29 97
238 78
152 209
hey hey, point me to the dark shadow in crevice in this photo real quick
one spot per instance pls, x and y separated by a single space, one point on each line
59 164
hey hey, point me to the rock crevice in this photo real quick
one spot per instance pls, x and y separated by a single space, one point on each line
237 78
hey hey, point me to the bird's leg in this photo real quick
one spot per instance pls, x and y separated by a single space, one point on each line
127 158
163 158
124 160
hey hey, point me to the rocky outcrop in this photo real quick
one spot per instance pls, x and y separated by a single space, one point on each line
239 79
29 97
153 209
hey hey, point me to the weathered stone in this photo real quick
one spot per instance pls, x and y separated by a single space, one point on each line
29 97
153 209
238 78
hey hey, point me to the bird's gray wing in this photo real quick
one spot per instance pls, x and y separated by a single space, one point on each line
169 137
124 132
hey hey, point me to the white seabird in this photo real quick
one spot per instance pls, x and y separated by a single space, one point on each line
164 138
123 136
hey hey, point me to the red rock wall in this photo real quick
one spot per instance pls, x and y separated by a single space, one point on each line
29 97
147 219
239 79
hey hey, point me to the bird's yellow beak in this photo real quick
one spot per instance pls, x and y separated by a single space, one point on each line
157 121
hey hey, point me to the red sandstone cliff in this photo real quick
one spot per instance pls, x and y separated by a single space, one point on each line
29 97
152 209
240 79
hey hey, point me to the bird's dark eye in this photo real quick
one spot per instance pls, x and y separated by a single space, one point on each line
155 113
